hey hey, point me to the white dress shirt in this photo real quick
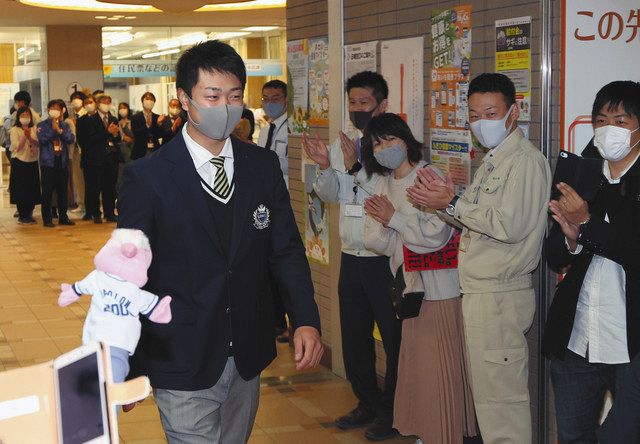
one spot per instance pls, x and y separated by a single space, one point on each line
279 143
207 171
600 325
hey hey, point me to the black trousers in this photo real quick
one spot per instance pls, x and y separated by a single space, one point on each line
363 289
100 181
54 178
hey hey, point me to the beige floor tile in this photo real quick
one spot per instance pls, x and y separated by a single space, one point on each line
35 349
23 330
16 313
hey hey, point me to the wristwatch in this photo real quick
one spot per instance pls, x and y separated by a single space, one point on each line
451 208
355 168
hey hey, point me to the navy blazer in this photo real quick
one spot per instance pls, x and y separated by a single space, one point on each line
93 138
216 299
142 134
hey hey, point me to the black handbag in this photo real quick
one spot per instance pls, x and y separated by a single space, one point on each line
407 305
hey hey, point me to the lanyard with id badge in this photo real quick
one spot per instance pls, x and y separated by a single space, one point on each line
355 209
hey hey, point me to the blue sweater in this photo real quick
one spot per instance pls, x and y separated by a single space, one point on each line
46 136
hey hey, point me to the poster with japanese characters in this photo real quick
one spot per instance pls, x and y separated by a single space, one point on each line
357 58
513 59
601 43
402 66
451 148
316 220
319 81
297 85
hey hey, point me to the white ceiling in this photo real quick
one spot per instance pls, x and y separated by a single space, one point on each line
16 14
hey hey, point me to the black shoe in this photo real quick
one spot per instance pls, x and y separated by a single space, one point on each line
66 222
358 417
16 214
112 218
48 224
381 429
97 220
87 217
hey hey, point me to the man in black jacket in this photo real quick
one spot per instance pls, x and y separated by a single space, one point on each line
593 327
99 136
218 217
147 130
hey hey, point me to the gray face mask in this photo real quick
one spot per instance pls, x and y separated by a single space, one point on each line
217 122
274 110
391 157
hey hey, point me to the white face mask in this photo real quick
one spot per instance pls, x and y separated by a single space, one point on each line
613 143
76 103
490 133
148 104
174 111
24 121
123 112
54 113
104 107
90 107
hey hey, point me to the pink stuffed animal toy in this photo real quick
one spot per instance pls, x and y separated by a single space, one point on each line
117 297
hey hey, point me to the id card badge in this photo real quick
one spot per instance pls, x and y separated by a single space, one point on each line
353 210
150 145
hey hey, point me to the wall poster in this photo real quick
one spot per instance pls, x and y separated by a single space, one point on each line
319 81
316 220
297 85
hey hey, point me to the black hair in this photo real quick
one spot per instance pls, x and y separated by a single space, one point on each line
125 104
371 80
23 109
97 92
248 114
277 84
23 96
211 56
381 127
490 82
614 94
58 102
147 94
78 95
63 107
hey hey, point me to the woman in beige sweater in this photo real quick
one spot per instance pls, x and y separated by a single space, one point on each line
433 397
25 178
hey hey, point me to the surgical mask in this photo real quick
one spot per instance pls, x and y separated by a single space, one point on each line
217 122
24 121
274 110
613 143
360 118
123 112
76 103
104 108
90 107
174 111
491 133
148 104
391 157
54 113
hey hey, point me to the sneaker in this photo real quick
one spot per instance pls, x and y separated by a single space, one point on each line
30 220
78 209
358 417
380 430
23 221
48 224
16 214
66 221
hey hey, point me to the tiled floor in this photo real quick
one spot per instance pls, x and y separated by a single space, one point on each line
294 407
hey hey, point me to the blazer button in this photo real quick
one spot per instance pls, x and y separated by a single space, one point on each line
228 310
230 272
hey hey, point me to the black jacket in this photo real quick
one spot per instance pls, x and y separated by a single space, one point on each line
216 298
142 134
167 125
94 140
618 240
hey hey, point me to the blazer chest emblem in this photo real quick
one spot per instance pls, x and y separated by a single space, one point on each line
261 217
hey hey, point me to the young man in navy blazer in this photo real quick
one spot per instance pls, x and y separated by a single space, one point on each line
218 216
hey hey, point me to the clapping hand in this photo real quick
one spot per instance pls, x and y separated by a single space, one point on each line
380 208
316 150
569 211
430 190
349 151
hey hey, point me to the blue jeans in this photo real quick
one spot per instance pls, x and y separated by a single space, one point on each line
579 388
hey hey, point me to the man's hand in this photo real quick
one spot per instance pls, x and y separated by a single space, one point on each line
430 190
349 151
316 150
307 347
380 208
161 118
569 211
113 129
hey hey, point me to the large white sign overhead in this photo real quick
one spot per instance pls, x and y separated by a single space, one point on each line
601 43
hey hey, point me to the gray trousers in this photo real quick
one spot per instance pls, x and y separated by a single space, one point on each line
222 414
